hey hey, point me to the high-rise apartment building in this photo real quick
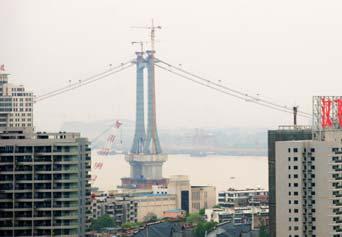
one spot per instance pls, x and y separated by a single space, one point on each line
309 187
284 133
44 183
16 104
308 183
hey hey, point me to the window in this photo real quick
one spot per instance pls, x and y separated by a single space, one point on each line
295 184
289 159
295 150
289 150
295 176
295 210
295 158
289 167
295 167
312 149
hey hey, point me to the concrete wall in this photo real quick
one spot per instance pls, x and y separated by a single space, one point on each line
154 204
202 197
177 184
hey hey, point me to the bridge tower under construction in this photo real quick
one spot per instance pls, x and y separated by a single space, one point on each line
145 158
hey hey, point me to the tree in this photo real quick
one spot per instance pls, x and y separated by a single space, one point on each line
202 211
150 217
131 225
102 222
263 231
194 218
203 227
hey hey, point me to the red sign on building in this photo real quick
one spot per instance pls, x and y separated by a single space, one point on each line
327 112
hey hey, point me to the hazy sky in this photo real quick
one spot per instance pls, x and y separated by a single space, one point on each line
283 50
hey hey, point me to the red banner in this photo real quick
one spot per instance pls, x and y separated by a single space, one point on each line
326 110
339 111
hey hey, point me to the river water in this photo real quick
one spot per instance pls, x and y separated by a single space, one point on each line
221 171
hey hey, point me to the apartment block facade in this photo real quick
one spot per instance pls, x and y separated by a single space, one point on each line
309 187
283 133
44 183
16 104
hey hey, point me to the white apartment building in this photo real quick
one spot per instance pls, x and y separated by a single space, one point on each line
309 187
16 104
243 197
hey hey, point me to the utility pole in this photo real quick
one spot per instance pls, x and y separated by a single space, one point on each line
295 111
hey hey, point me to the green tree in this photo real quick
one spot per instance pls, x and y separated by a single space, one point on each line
130 225
202 212
203 227
104 221
193 218
263 231
150 217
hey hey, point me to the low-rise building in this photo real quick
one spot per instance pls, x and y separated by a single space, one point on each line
174 214
179 185
122 209
154 204
244 197
131 207
159 189
255 215
98 203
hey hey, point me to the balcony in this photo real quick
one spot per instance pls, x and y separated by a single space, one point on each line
66 217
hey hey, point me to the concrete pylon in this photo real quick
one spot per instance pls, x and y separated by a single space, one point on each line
152 144
139 135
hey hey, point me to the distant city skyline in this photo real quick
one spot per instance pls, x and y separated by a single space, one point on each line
284 51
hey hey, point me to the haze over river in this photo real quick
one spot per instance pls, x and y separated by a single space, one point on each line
220 171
